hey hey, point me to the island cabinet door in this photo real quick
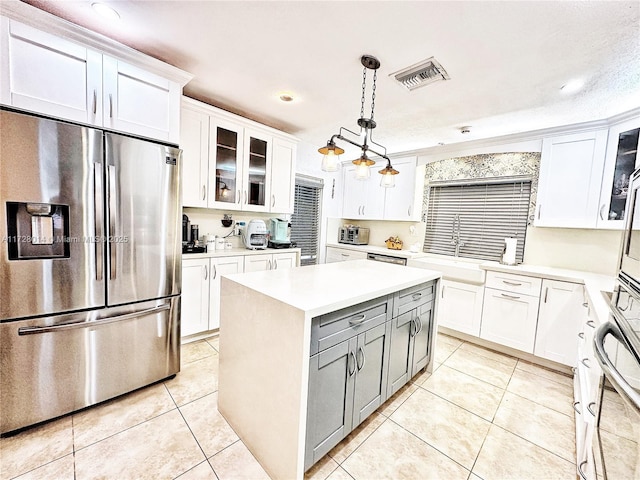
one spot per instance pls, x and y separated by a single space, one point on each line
330 405
372 357
423 316
401 347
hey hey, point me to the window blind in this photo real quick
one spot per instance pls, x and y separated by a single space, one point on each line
488 213
305 221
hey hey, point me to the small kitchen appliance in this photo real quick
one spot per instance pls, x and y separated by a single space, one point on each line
353 235
255 235
190 234
279 233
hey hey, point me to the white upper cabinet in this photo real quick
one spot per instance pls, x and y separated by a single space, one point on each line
283 185
367 200
194 141
231 163
571 169
59 76
621 161
403 202
139 102
49 75
226 145
362 199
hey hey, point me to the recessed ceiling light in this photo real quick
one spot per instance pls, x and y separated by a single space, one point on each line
286 97
465 129
106 11
572 86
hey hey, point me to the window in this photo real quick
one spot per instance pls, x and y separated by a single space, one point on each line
484 213
305 222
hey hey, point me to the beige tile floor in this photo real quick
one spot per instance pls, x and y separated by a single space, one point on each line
480 415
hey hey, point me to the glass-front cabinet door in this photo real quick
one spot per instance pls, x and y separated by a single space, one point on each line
257 171
225 165
621 160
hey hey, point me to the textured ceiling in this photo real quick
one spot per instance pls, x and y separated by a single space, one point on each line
507 61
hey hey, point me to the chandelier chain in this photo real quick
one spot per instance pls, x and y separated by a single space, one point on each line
373 93
364 87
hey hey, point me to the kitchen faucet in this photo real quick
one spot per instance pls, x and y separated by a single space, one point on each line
455 238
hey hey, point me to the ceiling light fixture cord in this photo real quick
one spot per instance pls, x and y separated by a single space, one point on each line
364 88
373 93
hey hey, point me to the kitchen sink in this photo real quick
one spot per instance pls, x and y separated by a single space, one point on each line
452 268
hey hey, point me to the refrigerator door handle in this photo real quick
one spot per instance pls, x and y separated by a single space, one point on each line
112 219
94 323
99 218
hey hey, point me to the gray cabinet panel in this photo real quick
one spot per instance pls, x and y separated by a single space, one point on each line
422 339
413 297
372 356
330 407
401 344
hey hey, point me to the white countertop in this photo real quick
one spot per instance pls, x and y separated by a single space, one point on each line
320 289
375 249
232 252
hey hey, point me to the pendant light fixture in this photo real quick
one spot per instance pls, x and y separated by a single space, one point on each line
331 152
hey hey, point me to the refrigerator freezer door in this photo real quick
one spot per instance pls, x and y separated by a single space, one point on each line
50 258
143 220
59 364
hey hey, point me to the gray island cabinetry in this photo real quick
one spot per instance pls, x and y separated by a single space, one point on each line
307 354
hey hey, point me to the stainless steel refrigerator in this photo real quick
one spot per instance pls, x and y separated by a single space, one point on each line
90 267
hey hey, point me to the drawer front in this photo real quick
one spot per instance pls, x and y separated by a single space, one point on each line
413 297
514 283
330 329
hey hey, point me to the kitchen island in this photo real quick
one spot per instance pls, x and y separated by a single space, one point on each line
306 354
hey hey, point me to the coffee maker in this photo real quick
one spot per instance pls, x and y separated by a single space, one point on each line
190 235
279 233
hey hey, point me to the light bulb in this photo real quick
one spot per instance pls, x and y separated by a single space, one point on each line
388 180
330 162
363 171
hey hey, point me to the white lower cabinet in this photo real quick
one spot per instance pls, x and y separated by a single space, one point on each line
270 261
460 306
342 255
560 316
195 296
220 266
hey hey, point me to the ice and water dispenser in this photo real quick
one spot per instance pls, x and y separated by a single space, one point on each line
37 230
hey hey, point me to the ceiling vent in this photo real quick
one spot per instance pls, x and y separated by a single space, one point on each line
421 74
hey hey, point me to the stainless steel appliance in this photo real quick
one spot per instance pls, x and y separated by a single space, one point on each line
90 271
255 235
617 349
379 257
353 235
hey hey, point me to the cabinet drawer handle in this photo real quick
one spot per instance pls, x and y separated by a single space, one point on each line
237 196
273 201
360 351
591 411
582 474
206 273
515 297
215 272
585 362
275 264
351 372
546 292
442 292
245 197
591 323
95 101
409 211
514 284
539 211
416 296
204 192
419 324
269 268
601 210
110 106
358 320
363 209
585 304
575 407
581 335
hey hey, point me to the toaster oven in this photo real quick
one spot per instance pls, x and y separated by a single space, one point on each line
353 235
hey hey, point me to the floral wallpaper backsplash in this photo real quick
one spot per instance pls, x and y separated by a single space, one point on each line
485 166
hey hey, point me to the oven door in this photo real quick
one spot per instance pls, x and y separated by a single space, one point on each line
617 442
630 258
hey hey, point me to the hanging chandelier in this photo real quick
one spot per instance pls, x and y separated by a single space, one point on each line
332 152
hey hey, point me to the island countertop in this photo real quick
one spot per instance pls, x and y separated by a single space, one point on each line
319 289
